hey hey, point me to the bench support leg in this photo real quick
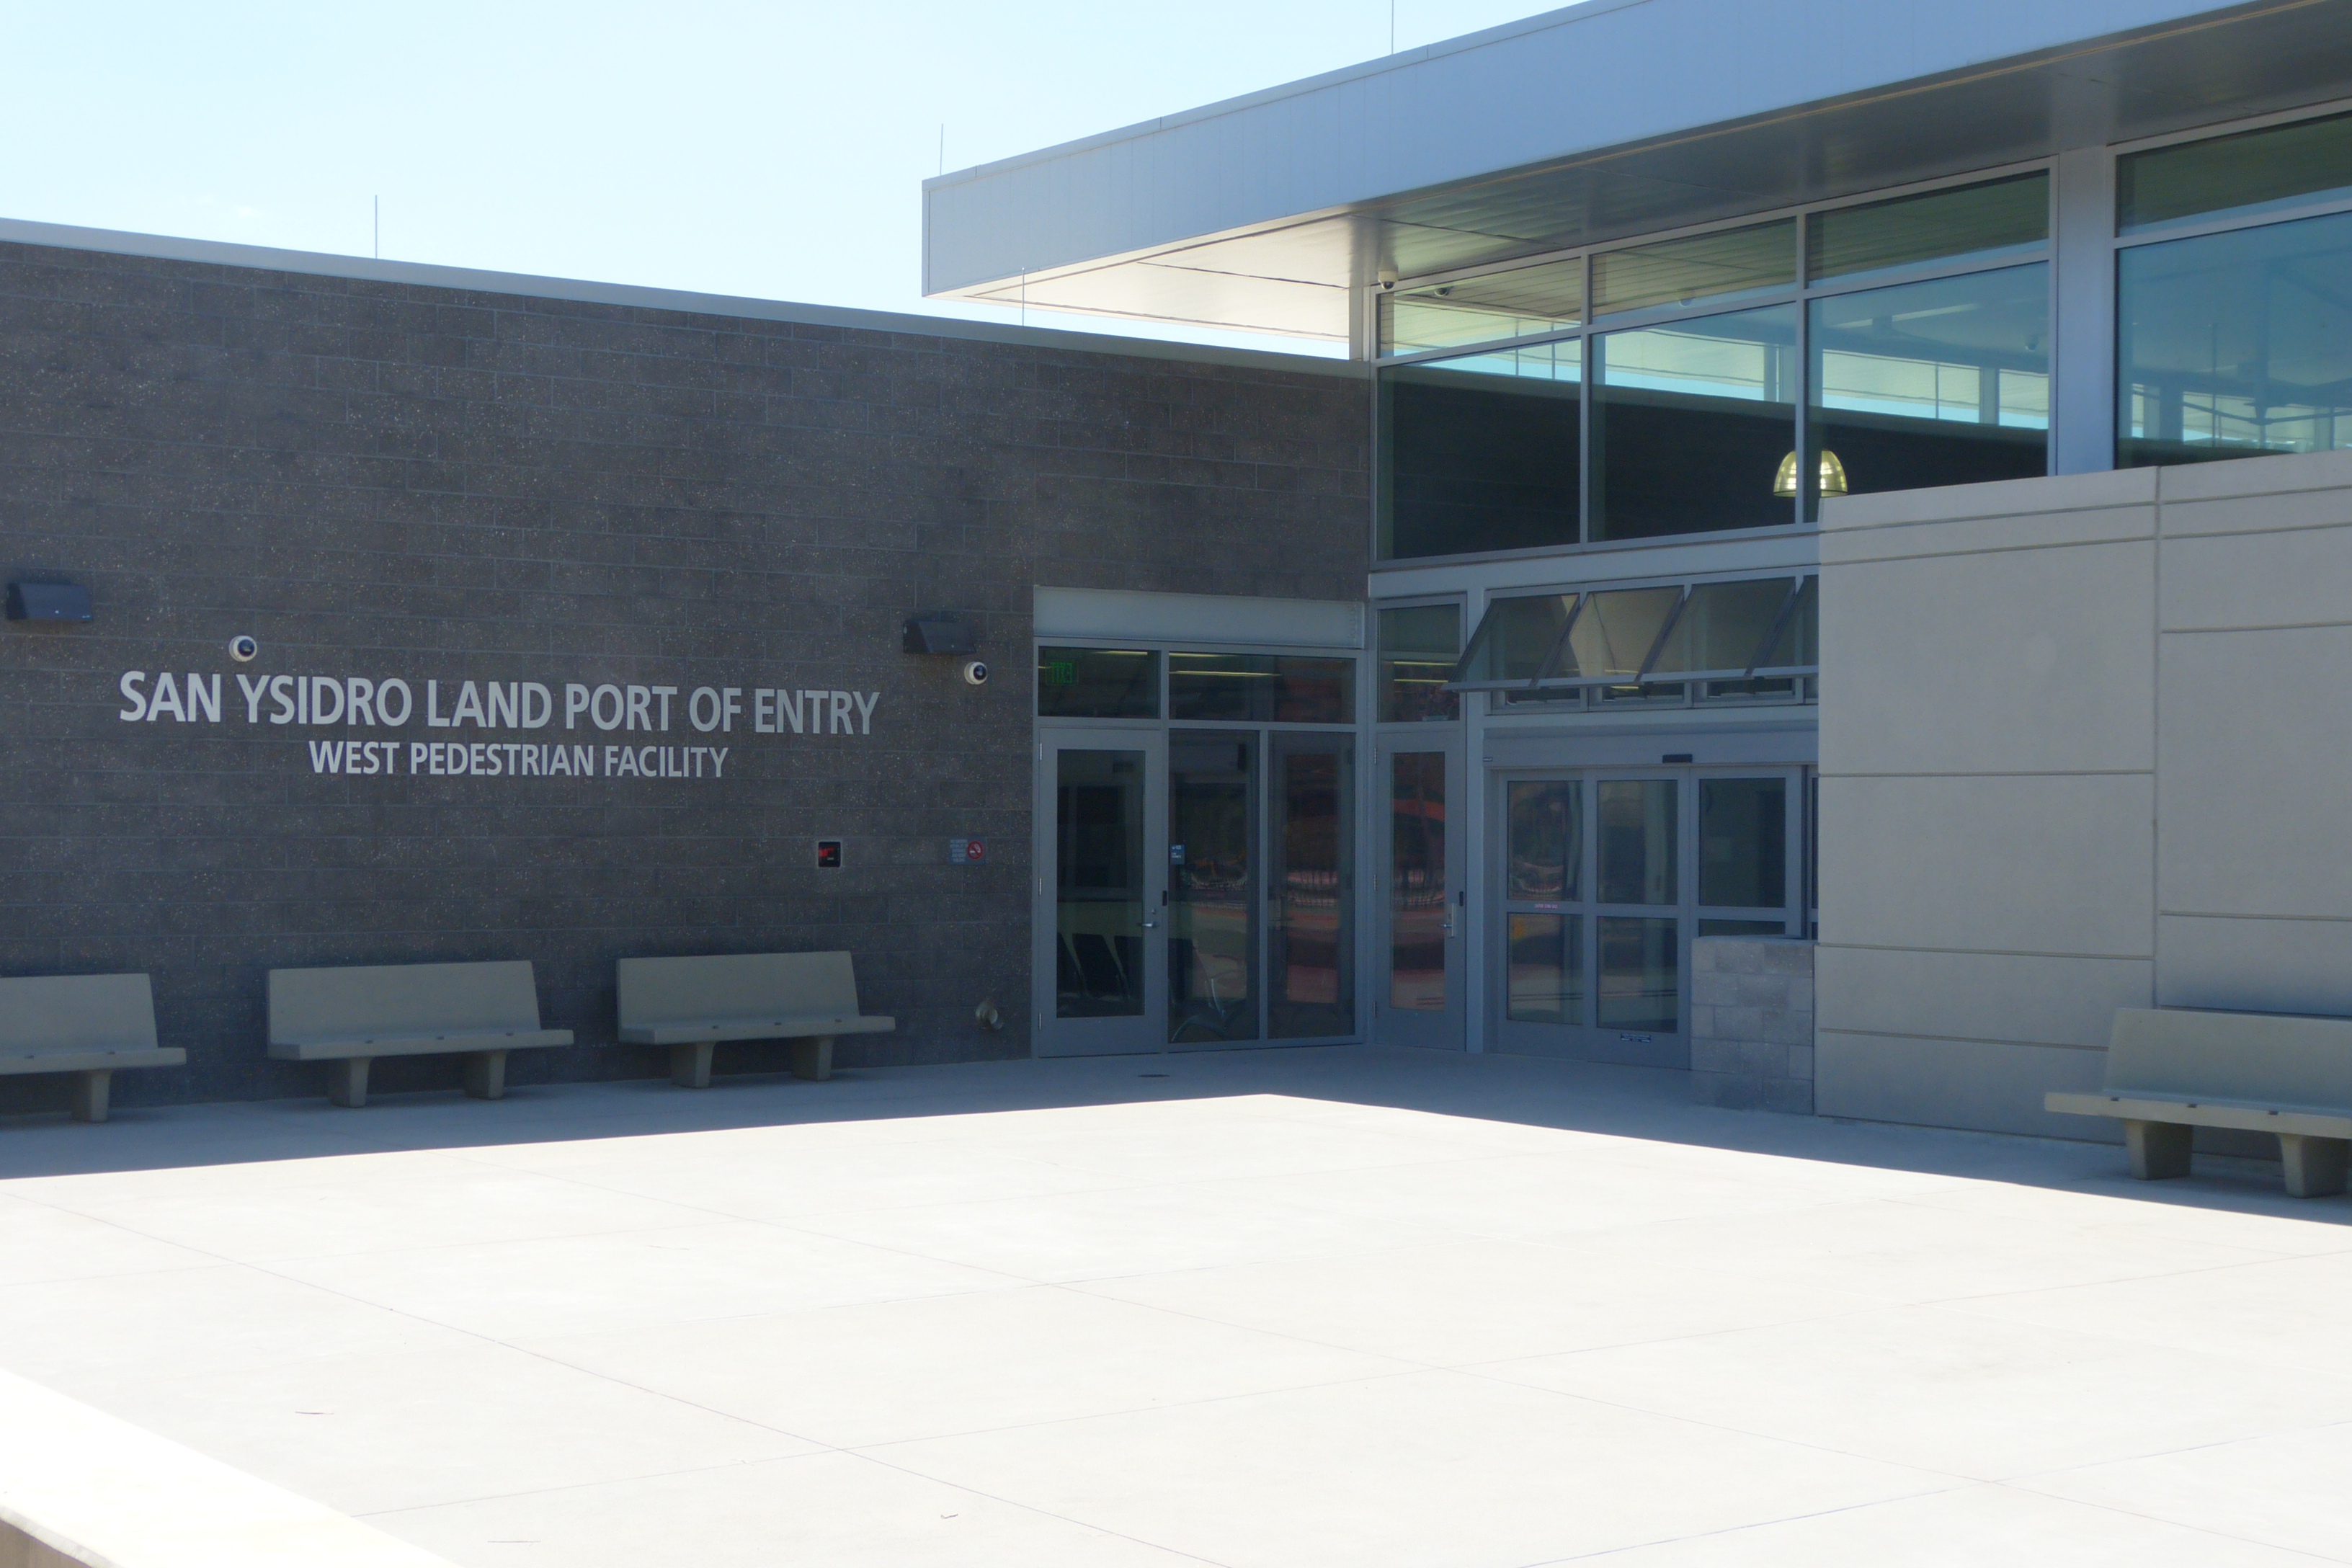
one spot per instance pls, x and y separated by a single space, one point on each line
91 1091
347 1082
2159 1150
813 1059
2315 1166
690 1066
486 1075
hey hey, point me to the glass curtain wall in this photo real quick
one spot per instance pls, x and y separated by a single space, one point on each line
1723 380
2236 342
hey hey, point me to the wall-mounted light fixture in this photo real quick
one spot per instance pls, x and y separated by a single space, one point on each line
938 633
48 602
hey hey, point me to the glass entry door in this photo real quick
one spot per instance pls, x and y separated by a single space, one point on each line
1605 875
1260 868
1100 969
1420 902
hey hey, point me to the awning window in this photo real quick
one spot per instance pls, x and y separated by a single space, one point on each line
1623 637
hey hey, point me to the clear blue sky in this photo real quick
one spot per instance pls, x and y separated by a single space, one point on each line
774 151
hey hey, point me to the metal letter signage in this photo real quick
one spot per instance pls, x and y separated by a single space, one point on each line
608 730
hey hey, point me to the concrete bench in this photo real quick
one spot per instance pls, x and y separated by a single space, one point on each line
91 1026
692 1004
347 1018
2172 1069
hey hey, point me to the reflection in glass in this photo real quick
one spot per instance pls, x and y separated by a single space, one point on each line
1637 838
1613 634
1260 688
1212 993
1417 907
1098 683
1743 843
1640 978
1419 645
1797 645
2233 344
1098 875
1482 451
1944 382
1725 264
1515 638
1546 841
1722 626
1546 982
1311 987
1512 304
2253 172
1969 223
1691 423
1743 928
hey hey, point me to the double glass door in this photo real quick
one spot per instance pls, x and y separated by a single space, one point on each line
1420 907
1194 889
1606 876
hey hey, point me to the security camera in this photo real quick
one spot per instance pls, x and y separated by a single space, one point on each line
976 672
242 648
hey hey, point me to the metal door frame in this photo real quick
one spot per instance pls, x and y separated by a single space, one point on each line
1125 1035
1590 1040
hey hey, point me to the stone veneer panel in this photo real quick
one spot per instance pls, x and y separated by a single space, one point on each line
1752 1023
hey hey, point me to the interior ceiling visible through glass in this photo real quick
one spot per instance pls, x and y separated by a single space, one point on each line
1492 306
2284 166
1968 222
1699 267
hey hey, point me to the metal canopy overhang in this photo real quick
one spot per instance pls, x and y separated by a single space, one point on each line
1263 213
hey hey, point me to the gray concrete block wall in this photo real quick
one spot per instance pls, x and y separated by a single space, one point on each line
395 480
2076 756
1752 1023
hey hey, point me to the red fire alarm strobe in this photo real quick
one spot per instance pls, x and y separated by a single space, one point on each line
828 854
967 851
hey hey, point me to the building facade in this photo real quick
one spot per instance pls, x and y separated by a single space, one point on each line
1784 461
1882 507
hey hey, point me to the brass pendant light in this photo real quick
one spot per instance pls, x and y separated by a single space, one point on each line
1833 476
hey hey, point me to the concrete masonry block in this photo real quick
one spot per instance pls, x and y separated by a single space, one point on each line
1801 1062
1729 1091
1733 957
1702 1022
1703 957
1783 1026
1715 1056
1791 1096
1786 957
1767 1058
1710 987
1762 990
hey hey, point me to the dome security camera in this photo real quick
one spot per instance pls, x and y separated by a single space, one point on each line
976 672
242 648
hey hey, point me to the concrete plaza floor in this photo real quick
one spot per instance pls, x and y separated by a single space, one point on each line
1354 1307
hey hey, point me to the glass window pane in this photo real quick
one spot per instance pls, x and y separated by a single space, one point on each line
1261 689
1419 646
1972 223
1693 424
1512 304
1637 845
1098 880
1799 644
1615 632
1547 840
2233 344
1641 975
1417 885
1703 267
1945 383
2253 172
1480 453
1311 949
1723 626
1743 843
1743 928
1098 683
1211 950
1547 964
1515 638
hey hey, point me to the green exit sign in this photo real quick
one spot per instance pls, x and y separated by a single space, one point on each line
1058 672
